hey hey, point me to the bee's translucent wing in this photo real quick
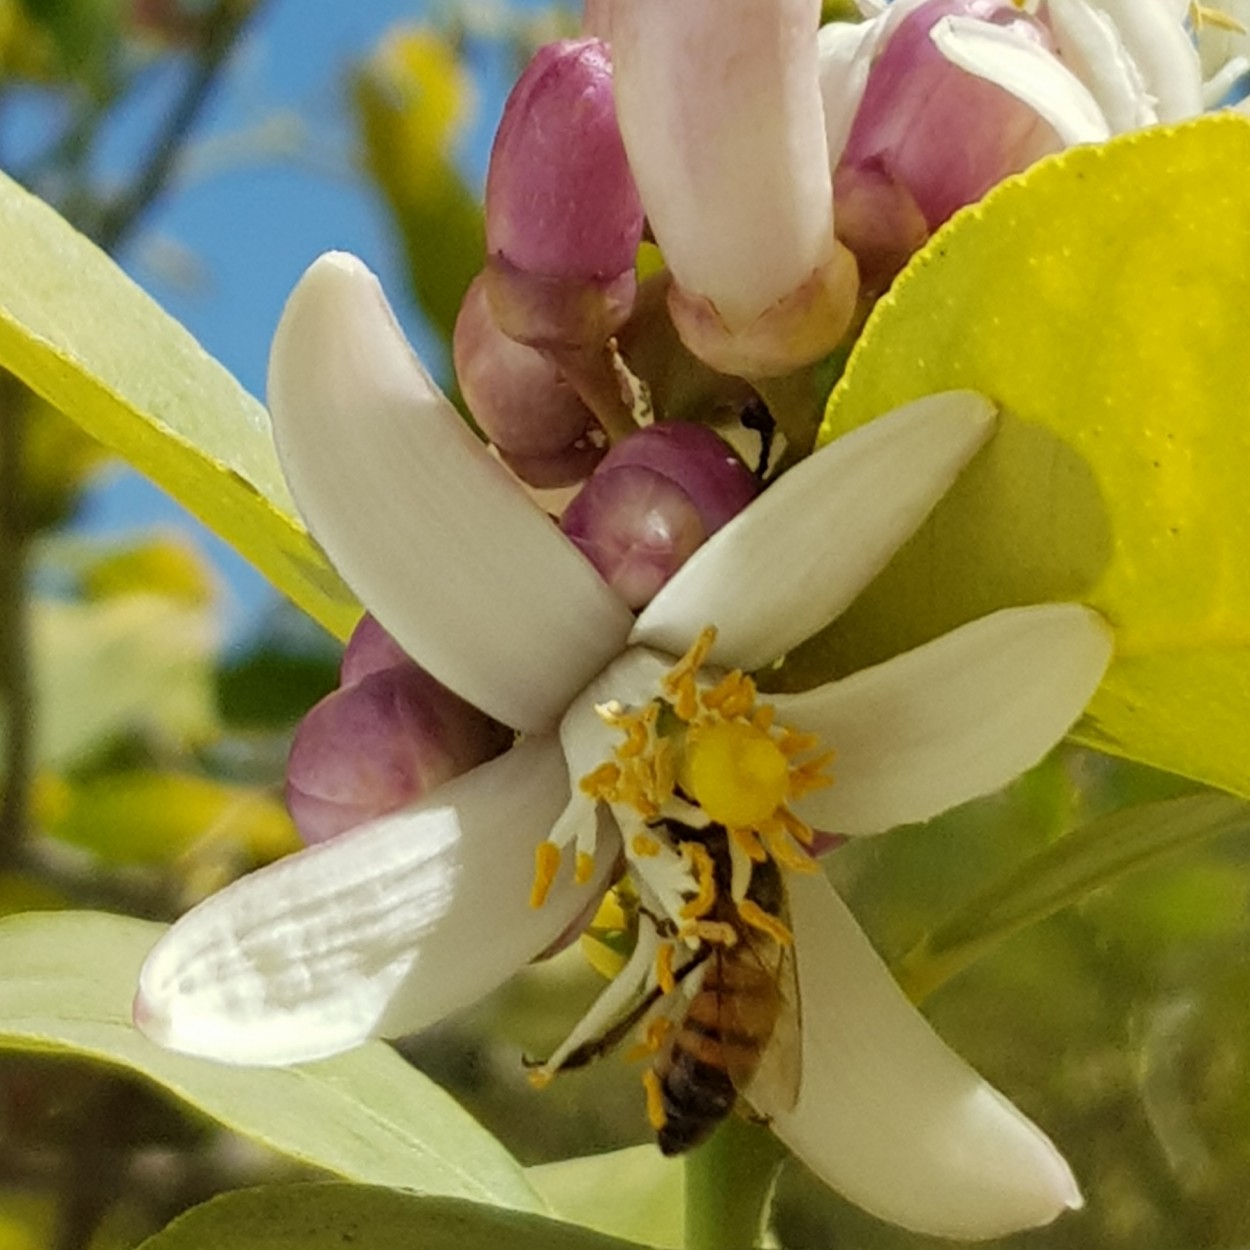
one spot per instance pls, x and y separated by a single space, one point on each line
778 1066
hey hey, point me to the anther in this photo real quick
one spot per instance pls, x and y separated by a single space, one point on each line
754 915
546 863
700 861
656 1116
664 968
584 867
645 846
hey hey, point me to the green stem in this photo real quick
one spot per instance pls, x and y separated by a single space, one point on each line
729 1186
15 675
797 402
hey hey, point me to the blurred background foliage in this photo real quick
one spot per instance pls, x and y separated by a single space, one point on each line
143 735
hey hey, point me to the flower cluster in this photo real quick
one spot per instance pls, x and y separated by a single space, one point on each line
535 714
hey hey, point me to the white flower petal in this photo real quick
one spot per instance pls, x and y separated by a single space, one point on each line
378 932
1158 42
436 538
799 555
720 111
956 718
1028 71
1089 44
887 1114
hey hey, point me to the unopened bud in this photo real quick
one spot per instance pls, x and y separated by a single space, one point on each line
520 399
378 744
563 218
655 499
929 137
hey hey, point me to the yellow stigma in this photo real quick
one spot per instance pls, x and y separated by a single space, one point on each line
736 773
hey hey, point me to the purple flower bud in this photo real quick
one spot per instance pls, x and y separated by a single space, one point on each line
380 743
563 217
517 395
573 464
636 527
929 137
657 496
369 650
698 460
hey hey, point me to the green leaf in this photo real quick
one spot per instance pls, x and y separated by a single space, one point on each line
105 668
1101 301
634 1193
366 1115
77 331
1066 872
330 1216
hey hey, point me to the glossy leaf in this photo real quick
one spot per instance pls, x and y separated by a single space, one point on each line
329 1217
367 1116
1101 300
77 331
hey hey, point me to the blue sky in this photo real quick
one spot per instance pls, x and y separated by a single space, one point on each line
252 224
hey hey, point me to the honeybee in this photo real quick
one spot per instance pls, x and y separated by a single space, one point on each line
738 1034
745 1008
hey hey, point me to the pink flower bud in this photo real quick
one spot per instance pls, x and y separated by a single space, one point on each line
657 496
698 460
369 650
929 137
380 743
563 218
517 395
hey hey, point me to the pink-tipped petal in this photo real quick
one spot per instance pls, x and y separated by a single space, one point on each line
719 105
440 543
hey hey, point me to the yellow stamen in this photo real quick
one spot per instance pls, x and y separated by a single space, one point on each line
602 782
750 843
655 1100
651 1041
540 1078
754 915
584 868
797 829
705 878
664 968
783 849
546 862
792 743
645 846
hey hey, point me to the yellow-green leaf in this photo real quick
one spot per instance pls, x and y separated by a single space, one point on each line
1101 300
77 331
366 1116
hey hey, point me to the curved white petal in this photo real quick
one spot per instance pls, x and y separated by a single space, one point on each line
720 111
846 52
1089 44
1026 70
887 1114
800 553
1156 39
436 538
956 718
378 932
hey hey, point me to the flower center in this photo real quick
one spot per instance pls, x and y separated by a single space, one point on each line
735 772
